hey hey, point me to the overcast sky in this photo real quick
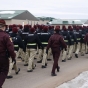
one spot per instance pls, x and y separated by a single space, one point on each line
66 9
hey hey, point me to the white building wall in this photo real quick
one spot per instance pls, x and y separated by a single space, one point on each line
8 22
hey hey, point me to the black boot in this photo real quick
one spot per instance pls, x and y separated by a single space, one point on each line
64 60
43 66
39 61
9 77
76 55
53 74
58 69
48 59
25 64
29 70
70 58
18 71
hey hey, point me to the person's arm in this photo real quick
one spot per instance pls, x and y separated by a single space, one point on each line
49 43
63 44
20 43
39 42
9 46
85 38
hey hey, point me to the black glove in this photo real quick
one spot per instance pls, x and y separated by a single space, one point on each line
46 51
42 48
65 49
13 60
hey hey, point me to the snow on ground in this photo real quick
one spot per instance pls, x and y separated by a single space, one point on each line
79 82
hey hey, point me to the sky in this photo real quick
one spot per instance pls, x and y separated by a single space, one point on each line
63 9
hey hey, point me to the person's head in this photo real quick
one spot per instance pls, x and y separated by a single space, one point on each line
2 24
45 29
57 29
14 30
32 30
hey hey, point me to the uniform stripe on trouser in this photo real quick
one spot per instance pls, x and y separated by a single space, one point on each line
32 53
64 56
78 48
44 60
11 65
70 51
40 55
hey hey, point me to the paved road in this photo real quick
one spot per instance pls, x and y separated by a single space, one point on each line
41 78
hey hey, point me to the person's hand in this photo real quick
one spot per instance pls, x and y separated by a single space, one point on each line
42 48
65 49
14 61
46 51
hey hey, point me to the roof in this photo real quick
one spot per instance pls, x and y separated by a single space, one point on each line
66 22
86 22
17 14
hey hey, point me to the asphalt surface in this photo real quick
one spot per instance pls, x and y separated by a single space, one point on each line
41 78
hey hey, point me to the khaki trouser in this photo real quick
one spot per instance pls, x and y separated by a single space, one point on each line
68 47
44 60
12 65
74 47
86 48
26 58
82 48
40 55
78 48
64 55
21 54
37 52
70 51
49 53
31 53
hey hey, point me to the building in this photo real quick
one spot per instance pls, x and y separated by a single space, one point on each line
18 17
65 22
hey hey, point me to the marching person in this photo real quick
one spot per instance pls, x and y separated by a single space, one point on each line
44 37
31 42
55 43
6 50
67 40
17 41
86 42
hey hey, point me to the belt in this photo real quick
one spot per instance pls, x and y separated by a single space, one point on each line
66 40
16 46
78 38
31 44
44 42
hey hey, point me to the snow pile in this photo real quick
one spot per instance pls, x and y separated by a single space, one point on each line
79 82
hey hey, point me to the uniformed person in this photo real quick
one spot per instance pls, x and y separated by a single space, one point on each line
67 40
22 54
82 44
44 37
73 41
6 49
31 42
78 36
86 42
17 41
55 42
